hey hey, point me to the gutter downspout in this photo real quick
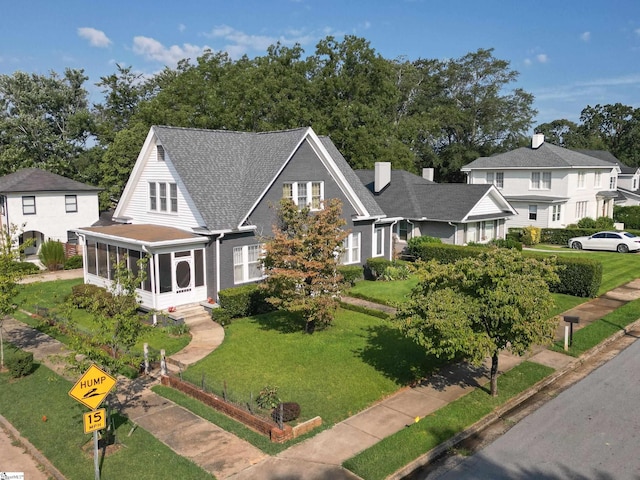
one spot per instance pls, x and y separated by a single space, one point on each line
218 264
85 267
392 253
455 232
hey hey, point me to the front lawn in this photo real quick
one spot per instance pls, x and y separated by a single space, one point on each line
41 409
386 293
333 373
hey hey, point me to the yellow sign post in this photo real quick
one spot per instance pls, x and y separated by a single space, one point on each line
93 387
95 420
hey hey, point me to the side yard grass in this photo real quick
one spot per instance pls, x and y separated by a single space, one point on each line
396 451
60 437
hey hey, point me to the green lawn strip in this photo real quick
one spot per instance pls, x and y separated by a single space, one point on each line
62 440
399 449
333 373
51 295
386 293
594 333
227 423
564 302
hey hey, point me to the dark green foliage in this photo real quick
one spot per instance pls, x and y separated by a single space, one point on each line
604 223
73 262
445 253
587 222
243 301
380 268
506 243
19 363
376 266
580 277
52 255
630 216
85 295
561 236
351 273
221 316
26 268
290 411
268 397
417 241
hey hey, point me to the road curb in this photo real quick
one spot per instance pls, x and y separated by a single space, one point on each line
33 451
483 423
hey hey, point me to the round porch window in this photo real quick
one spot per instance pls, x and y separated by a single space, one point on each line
183 274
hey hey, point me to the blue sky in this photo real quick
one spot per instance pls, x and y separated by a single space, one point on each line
570 54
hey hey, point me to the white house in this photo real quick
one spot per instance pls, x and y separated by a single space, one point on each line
549 186
45 206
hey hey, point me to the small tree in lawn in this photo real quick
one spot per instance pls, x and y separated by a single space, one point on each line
480 306
9 278
301 261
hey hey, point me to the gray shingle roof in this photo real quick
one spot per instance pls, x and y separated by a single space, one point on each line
36 180
609 157
226 172
546 156
413 197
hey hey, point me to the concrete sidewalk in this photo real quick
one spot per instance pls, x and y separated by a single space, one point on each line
321 456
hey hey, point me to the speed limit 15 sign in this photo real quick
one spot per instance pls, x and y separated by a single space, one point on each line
95 420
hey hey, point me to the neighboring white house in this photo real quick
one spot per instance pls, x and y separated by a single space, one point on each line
549 186
628 178
45 206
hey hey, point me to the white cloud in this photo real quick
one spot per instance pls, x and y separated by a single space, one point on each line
97 38
240 43
182 27
585 36
542 58
527 61
153 50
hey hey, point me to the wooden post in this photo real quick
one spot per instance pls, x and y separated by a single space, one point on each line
163 363
146 359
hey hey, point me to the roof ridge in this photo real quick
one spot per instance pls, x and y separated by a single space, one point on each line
211 130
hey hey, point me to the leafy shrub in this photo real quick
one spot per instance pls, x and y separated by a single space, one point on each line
395 271
604 223
587 222
530 235
290 411
415 242
630 216
375 267
26 268
268 397
52 255
86 296
73 262
178 329
351 273
506 243
19 363
445 253
579 276
243 301
221 316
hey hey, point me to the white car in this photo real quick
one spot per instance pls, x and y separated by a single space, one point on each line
622 242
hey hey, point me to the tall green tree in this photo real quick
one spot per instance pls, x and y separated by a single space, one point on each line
44 121
301 261
477 307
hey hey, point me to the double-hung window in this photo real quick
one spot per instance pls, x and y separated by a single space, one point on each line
499 179
533 212
163 197
540 181
29 205
153 196
581 210
378 242
304 194
489 178
597 181
555 213
246 263
351 245
70 203
612 182
581 176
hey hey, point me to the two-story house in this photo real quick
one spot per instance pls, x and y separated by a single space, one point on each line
549 186
45 206
628 178
199 204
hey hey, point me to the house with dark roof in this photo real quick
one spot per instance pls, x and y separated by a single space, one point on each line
628 178
199 203
549 186
45 206
456 213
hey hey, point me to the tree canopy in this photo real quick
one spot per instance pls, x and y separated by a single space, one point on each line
477 307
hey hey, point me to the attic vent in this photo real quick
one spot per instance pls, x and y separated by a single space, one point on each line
160 150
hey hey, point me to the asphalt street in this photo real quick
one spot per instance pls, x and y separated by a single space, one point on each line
589 431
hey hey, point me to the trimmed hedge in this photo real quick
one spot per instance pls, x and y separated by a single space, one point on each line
379 268
579 276
73 262
351 273
19 363
26 268
560 236
238 302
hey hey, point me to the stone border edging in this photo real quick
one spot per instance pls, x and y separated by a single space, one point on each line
33 451
437 451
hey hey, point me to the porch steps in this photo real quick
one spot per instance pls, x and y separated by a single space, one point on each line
206 336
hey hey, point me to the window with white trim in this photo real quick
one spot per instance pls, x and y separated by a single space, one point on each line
246 263
29 205
540 181
160 153
378 242
581 210
499 179
163 197
70 203
489 178
351 246
612 182
533 212
581 176
597 181
555 213
304 194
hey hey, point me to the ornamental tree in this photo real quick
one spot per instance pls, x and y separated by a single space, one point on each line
301 261
477 307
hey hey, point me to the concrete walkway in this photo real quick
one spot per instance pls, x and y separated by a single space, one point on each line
319 457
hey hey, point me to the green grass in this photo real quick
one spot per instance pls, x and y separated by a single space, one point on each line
51 295
387 293
396 451
333 373
594 333
61 438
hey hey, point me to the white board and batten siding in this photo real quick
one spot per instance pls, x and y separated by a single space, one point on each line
137 208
